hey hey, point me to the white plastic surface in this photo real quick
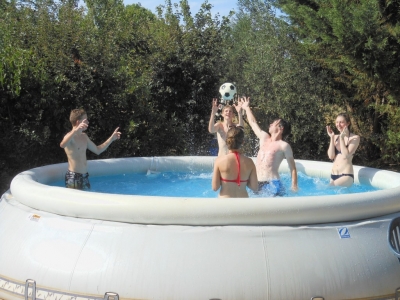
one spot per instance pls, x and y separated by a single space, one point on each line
83 244
30 188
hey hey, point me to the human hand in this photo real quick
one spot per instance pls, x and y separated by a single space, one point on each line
116 135
330 131
238 106
245 102
295 188
83 125
214 108
344 132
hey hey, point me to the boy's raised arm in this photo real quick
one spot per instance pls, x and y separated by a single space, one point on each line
214 109
101 148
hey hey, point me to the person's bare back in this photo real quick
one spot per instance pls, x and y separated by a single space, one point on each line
234 172
230 168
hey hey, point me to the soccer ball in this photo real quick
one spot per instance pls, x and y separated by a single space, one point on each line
227 91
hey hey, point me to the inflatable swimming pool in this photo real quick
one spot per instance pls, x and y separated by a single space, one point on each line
61 243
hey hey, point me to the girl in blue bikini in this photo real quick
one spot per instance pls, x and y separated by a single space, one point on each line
341 150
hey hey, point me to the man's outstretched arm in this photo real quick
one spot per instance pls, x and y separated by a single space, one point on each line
250 117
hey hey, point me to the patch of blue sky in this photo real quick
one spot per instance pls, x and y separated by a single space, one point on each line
223 7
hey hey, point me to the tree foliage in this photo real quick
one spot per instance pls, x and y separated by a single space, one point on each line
127 67
358 43
281 81
154 75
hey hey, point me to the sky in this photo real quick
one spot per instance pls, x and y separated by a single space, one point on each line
219 6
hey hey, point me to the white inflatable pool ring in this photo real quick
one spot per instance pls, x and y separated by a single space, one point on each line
62 243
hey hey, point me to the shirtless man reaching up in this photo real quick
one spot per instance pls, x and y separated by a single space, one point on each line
221 128
75 144
273 149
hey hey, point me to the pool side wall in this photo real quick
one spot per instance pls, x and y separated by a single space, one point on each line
30 189
80 245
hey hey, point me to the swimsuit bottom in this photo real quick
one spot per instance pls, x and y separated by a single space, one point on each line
334 177
78 181
272 187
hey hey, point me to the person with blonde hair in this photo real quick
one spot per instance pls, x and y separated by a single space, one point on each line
221 128
234 172
341 150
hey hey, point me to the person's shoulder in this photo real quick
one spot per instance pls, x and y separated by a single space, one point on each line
355 138
285 144
219 125
248 159
222 162
68 132
244 156
82 136
264 135
218 159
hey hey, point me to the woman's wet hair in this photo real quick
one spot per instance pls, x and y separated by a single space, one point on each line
347 118
234 138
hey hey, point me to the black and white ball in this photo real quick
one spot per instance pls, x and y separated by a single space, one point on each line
227 91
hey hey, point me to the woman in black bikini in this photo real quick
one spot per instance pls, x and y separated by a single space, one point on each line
234 171
341 150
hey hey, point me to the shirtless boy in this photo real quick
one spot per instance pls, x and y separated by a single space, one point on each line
221 128
75 144
271 153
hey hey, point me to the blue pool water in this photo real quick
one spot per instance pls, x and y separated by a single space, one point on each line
178 184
